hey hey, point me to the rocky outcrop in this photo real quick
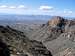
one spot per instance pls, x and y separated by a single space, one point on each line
58 36
19 45
56 21
66 52
70 26
51 30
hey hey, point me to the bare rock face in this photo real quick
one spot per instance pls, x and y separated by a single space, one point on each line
58 36
56 21
15 43
70 26
66 52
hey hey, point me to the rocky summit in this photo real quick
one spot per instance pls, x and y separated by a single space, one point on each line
54 38
58 35
56 21
15 43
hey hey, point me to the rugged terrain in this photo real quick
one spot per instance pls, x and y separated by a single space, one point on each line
15 43
58 35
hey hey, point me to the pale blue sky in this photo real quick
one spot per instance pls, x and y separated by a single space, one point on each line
38 7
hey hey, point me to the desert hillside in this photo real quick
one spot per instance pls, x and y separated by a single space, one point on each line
15 43
57 35
53 38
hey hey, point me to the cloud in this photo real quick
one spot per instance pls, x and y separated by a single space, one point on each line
19 9
65 12
12 7
46 8
21 6
3 6
68 12
42 10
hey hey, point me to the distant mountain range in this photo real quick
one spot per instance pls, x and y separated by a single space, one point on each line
13 18
24 17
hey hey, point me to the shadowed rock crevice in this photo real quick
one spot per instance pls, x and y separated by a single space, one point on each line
4 50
